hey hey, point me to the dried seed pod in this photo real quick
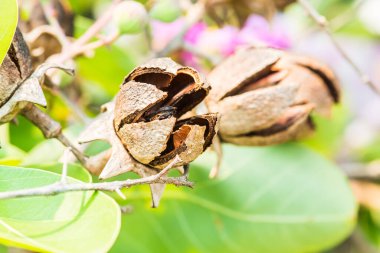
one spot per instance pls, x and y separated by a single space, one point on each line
60 9
15 68
43 40
265 96
152 99
237 11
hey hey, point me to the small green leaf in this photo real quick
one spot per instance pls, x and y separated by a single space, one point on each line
55 223
275 199
9 17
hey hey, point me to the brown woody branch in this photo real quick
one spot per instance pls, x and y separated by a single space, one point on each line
50 129
62 186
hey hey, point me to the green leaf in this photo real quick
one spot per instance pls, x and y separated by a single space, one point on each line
24 135
70 222
73 170
275 199
369 227
114 63
9 17
37 154
3 249
327 138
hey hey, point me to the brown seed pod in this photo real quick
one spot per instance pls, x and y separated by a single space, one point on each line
43 39
265 96
237 11
148 108
15 68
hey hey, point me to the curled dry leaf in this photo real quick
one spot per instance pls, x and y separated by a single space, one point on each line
151 101
266 96
18 85
15 68
29 91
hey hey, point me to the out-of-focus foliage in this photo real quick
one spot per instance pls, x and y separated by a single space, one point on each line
250 205
36 223
278 199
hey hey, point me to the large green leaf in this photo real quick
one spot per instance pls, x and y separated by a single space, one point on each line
70 222
9 17
73 170
275 199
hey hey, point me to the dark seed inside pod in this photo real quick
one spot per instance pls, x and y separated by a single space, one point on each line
162 113
183 93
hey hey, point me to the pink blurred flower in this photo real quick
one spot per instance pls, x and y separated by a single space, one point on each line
258 31
163 32
222 42
218 41
194 32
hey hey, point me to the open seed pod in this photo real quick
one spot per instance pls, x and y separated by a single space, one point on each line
266 96
148 109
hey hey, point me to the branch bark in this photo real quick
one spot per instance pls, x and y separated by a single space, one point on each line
51 129
115 186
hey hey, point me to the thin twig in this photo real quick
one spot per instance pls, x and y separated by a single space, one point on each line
97 26
80 45
323 24
53 21
120 193
217 147
113 186
91 46
50 129
64 166
58 187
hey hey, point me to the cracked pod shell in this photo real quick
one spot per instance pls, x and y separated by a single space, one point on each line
265 96
152 99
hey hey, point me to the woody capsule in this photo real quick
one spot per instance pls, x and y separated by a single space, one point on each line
149 114
266 96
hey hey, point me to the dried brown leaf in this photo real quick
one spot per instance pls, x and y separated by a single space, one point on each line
15 68
29 91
